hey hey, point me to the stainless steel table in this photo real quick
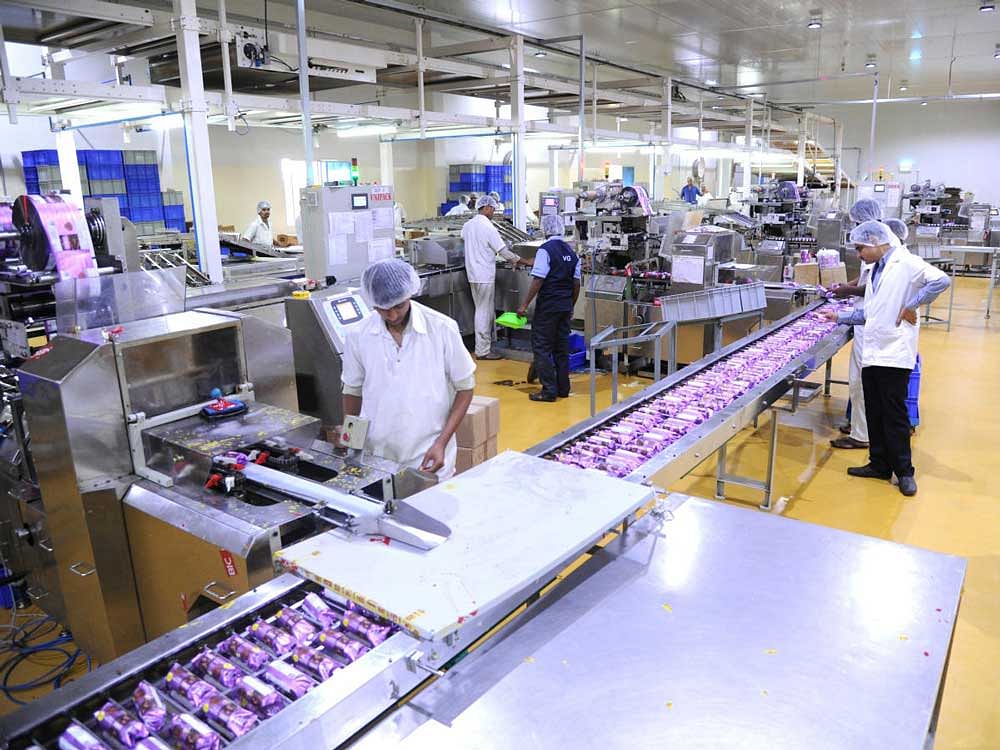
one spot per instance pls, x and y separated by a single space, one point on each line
715 627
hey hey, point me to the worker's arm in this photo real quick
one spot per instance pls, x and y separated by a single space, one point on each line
352 380
577 280
850 318
840 291
576 290
933 281
434 458
536 286
498 246
352 405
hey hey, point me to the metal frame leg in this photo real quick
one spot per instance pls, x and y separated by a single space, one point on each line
720 474
771 460
593 381
828 379
989 294
614 376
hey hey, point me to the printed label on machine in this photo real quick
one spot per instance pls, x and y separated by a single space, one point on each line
228 562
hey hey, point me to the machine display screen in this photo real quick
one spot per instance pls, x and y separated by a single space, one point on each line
346 310
550 202
880 188
359 200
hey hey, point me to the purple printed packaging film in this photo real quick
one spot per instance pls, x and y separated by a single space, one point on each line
249 653
189 733
262 699
210 663
288 679
77 738
317 661
237 720
152 743
343 644
319 610
281 641
300 628
179 680
117 721
149 706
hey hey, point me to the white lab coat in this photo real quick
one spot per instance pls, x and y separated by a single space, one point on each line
258 232
859 419
407 392
458 210
884 343
482 242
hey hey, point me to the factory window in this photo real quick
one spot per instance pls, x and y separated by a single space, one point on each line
293 178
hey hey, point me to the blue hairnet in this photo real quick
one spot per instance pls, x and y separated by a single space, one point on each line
553 225
898 228
484 201
386 283
866 209
262 205
872 233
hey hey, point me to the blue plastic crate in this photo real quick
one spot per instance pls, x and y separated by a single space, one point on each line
576 343
178 225
577 360
913 409
31 187
145 200
173 213
123 202
147 214
445 207
142 184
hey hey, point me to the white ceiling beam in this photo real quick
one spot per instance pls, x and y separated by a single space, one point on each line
470 48
97 9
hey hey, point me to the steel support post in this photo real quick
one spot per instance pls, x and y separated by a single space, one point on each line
520 176
800 174
307 131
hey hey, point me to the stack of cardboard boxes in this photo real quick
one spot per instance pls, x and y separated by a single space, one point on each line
477 434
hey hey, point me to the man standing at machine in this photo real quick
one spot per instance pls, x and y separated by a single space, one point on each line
259 231
556 285
482 244
690 192
899 283
407 372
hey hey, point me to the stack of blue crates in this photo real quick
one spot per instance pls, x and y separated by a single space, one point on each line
106 176
142 184
913 395
173 210
480 179
41 171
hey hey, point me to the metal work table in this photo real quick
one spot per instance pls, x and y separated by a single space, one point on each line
994 279
671 638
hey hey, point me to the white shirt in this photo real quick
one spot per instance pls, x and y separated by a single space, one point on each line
407 391
482 243
258 232
886 344
458 210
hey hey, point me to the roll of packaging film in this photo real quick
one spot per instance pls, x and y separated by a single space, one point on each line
7 245
54 235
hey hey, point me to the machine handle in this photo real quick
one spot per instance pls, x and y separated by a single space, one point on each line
83 569
34 594
220 593
45 545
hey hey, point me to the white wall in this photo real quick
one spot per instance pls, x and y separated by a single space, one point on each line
956 142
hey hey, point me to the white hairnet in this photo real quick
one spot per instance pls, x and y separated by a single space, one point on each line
495 196
261 205
873 233
898 228
552 225
386 283
484 201
866 209
463 199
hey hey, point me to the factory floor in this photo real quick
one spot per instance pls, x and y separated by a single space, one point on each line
956 510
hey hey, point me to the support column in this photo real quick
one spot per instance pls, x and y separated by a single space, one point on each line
748 151
227 74
199 158
838 156
667 102
652 164
307 131
580 158
800 175
7 81
520 160
593 114
871 137
69 170
554 166
421 104
385 163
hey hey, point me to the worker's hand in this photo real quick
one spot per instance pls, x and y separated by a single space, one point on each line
832 315
434 458
910 316
333 436
522 310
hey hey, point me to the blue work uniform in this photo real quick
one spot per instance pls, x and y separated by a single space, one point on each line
558 267
690 193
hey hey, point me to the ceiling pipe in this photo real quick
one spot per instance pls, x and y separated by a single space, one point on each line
990 96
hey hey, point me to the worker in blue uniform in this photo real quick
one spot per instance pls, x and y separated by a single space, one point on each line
556 285
690 192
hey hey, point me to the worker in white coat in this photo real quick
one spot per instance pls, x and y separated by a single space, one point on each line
898 284
460 208
407 371
856 430
496 196
259 230
482 245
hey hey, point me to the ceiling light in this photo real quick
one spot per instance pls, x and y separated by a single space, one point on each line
996 54
756 93
361 131
541 53
987 7
923 104
903 87
711 82
870 62
814 23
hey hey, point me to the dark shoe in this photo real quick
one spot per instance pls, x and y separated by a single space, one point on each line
491 355
848 442
908 486
867 472
845 428
540 396
563 395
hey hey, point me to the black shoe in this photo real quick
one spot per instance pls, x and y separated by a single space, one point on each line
563 395
867 472
908 486
845 428
848 442
541 396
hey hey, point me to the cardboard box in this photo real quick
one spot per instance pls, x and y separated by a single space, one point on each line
807 273
491 447
492 413
473 430
833 275
413 234
285 240
469 457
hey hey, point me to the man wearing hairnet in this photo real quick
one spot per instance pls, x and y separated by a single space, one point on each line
407 371
259 231
482 245
555 286
462 207
496 196
898 284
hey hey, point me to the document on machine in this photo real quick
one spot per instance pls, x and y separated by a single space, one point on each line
687 269
338 249
362 227
381 248
383 218
341 223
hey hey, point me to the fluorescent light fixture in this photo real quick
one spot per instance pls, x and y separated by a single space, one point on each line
903 85
815 19
916 55
756 93
711 82
541 53
987 7
870 62
923 104
362 131
916 35
167 122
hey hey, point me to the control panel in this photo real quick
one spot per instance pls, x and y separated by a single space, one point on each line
338 311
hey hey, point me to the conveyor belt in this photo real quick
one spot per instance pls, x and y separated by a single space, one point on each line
672 426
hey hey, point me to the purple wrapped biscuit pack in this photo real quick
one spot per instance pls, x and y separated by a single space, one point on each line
355 607
149 706
181 681
189 733
262 699
300 628
343 644
152 743
319 610
288 679
249 653
76 737
210 663
117 721
316 661
279 640
237 720
372 631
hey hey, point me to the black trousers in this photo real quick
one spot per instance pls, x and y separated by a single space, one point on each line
550 345
888 420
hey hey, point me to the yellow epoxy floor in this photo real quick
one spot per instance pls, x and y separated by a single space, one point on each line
957 508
